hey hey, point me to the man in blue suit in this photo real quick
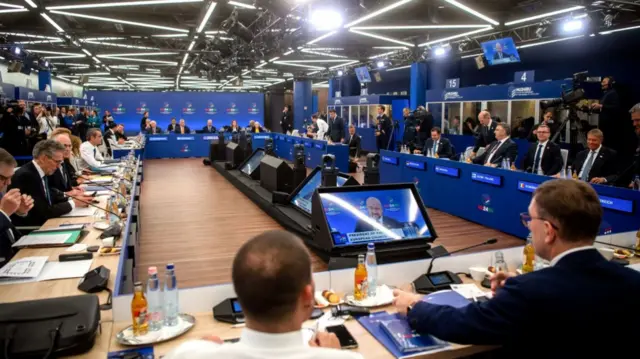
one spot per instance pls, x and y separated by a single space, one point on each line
579 307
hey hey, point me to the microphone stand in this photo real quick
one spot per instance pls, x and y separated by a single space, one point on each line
93 205
107 188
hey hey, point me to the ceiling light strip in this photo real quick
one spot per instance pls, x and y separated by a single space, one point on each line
206 17
307 51
418 27
342 65
398 68
322 37
117 21
314 61
240 4
140 54
379 37
55 52
376 13
53 23
382 55
455 36
31 3
617 30
11 5
548 42
298 65
13 10
119 45
472 12
526 19
143 60
120 4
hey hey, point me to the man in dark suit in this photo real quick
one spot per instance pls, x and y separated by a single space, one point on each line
610 118
64 179
383 129
375 212
596 164
10 202
172 126
487 132
209 127
80 124
154 129
32 179
581 298
109 138
286 122
502 148
544 157
336 127
499 54
437 145
353 140
425 124
182 128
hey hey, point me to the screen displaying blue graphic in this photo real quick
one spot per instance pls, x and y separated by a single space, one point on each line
194 107
527 186
361 217
447 171
362 73
253 163
302 199
617 204
236 306
486 178
415 165
390 160
501 51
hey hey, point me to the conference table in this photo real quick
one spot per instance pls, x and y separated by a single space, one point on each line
495 197
197 145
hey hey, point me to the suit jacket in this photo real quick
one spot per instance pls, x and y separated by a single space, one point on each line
109 135
487 136
425 122
157 131
120 135
354 144
610 111
336 129
603 166
286 123
551 163
582 299
205 129
28 180
444 148
496 56
57 181
6 251
187 130
172 127
509 149
387 222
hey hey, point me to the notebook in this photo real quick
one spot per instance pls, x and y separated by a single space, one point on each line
406 339
49 239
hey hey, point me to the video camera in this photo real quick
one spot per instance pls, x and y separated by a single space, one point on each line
570 97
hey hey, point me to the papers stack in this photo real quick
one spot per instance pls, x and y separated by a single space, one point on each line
81 212
55 238
36 269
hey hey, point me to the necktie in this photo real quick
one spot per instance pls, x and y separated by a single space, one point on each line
46 189
435 148
94 152
587 166
536 161
64 174
493 151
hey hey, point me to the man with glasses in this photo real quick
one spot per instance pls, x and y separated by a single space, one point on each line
10 202
33 179
64 179
544 157
581 298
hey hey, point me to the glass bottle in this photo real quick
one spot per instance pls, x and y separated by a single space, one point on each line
529 256
360 280
139 311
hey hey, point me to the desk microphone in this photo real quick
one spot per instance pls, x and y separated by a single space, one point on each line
431 282
95 184
93 205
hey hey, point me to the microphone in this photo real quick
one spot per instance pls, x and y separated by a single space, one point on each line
107 188
432 282
93 205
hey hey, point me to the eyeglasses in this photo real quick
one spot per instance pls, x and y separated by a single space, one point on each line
538 131
56 161
4 179
526 219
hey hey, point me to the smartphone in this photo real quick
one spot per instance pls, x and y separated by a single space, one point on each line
346 339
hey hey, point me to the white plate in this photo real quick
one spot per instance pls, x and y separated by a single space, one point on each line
384 296
101 225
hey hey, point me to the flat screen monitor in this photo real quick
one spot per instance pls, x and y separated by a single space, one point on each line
387 213
362 73
501 51
252 163
302 198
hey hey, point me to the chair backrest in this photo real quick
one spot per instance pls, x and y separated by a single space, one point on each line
565 156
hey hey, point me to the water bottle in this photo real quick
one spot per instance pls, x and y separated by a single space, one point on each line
154 300
372 270
170 297
504 164
508 163
462 158
636 183
569 174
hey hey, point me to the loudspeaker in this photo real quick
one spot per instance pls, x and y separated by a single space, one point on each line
216 150
276 175
234 154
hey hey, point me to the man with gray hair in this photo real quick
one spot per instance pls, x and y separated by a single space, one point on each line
487 132
500 149
32 179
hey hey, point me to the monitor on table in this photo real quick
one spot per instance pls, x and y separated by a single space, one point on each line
301 197
500 51
253 162
374 213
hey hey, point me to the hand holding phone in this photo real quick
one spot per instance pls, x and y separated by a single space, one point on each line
347 341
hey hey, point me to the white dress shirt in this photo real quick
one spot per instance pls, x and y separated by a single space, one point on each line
557 258
493 151
586 160
544 145
90 155
257 345
44 186
323 127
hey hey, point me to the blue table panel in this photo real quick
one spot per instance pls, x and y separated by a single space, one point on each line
178 146
495 206
368 139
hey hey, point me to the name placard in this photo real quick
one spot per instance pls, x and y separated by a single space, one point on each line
390 160
209 138
308 144
616 204
260 137
320 146
185 138
447 171
486 178
416 165
525 186
154 139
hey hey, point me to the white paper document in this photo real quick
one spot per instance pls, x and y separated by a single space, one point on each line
28 267
64 270
35 239
81 212
78 247
469 291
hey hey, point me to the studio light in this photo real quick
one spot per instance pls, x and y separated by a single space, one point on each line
340 72
572 25
17 51
325 19
380 64
439 51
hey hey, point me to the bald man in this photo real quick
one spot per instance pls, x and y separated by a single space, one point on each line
375 211
487 132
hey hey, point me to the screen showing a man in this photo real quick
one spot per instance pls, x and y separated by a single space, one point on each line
361 217
302 199
500 51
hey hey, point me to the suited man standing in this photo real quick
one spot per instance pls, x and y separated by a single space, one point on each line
547 306
286 122
383 129
172 126
375 211
425 124
336 127
209 127
183 129
609 108
544 157
32 179
10 202
437 145
487 132
502 148
353 140
80 124
596 164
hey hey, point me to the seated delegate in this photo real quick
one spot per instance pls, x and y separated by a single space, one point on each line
596 164
89 153
172 126
354 142
64 178
275 259
437 145
154 129
576 308
234 127
182 128
500 149
544 157
208 128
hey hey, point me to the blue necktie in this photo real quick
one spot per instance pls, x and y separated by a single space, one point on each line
536 161
46 189
588 165
94 152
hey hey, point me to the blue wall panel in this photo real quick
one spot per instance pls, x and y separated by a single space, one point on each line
195 107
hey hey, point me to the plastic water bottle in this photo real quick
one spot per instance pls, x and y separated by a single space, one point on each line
154 300
171 304
372 270
462 158
636 183
508 163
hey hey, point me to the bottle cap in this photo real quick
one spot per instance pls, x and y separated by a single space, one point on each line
170 266
371 246
153 270
137 284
